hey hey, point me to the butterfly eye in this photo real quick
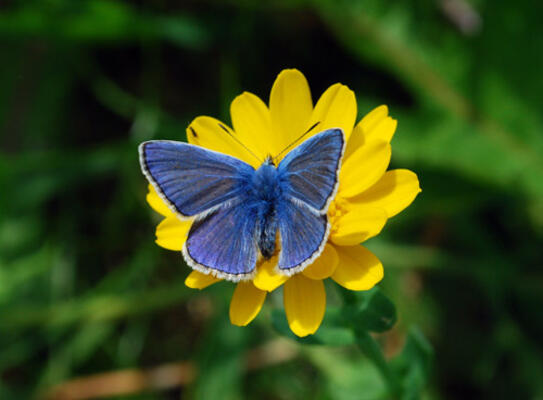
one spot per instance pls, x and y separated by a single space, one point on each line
193 132
269 160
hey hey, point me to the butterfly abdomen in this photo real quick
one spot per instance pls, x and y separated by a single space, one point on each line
265 190
266 233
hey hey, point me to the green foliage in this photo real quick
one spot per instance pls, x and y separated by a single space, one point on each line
84 290
376 312
416 361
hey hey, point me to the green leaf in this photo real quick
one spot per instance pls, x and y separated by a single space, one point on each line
377 313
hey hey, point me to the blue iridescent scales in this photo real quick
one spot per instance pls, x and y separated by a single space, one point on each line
238 211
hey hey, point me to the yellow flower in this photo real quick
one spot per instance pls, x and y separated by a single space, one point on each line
368 194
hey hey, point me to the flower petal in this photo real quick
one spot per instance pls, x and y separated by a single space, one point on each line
374 117
358 225
336 108
197 280
252 123
324 266
383 130
172 233
266 277
364 167
157 204
290 108
246 303
305 303
365 130
393 192
358 268
214 135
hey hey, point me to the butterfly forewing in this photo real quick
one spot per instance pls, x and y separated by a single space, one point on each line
311 169
190 179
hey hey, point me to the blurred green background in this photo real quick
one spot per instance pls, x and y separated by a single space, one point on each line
83 288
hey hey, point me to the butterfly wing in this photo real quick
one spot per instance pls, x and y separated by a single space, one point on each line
222 243
190 179
303 235
311 170
212 187
309 179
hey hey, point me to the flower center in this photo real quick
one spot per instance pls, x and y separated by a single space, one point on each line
338 208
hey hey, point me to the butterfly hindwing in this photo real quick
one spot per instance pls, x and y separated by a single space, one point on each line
190 179
311 169
222 243
303 236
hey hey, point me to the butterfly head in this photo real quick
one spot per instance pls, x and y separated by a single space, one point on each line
269 160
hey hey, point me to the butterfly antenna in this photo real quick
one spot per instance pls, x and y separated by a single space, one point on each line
240 143
295 141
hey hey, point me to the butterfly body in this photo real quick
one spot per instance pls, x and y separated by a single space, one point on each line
268 192
240 212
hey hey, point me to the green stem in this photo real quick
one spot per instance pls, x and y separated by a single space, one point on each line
371 349
369 346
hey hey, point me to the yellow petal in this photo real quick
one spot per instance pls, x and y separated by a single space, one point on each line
157 203
358 268
266 277
336 108
362 132
324 266
356 141
357 225
364 167
305 303
197 280
214 135
290 108
172 233
372 118
383 130
246 303
252 123
393 192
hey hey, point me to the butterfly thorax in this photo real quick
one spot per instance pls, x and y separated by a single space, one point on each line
267 192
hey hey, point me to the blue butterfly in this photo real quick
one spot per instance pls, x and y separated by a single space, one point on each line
238 210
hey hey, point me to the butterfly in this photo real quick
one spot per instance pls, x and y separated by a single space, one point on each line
239 212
